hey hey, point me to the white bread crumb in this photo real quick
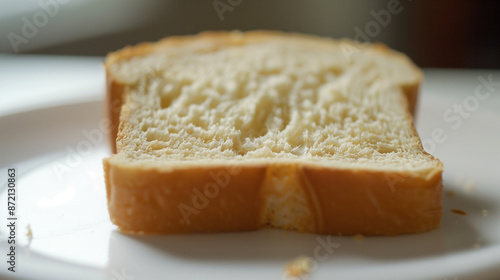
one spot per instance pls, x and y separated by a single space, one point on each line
29 232
298 267
469 186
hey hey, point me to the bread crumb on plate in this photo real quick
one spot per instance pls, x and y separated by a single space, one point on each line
458 211
29 232
299 266
469 186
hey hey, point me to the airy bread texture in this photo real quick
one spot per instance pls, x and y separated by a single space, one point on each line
234 131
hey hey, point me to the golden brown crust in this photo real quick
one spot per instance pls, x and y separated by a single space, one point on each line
411 93
229 198
375 203
339 201
186 200
114 102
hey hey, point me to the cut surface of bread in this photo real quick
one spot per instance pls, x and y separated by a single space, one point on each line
230 131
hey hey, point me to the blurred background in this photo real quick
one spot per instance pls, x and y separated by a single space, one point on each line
440 33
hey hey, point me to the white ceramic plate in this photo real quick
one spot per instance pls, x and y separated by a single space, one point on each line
57 152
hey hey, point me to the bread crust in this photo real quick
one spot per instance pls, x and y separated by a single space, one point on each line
230 198
151 200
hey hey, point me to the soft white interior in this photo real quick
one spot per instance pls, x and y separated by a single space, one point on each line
270 100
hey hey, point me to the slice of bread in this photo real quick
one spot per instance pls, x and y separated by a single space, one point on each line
230 131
